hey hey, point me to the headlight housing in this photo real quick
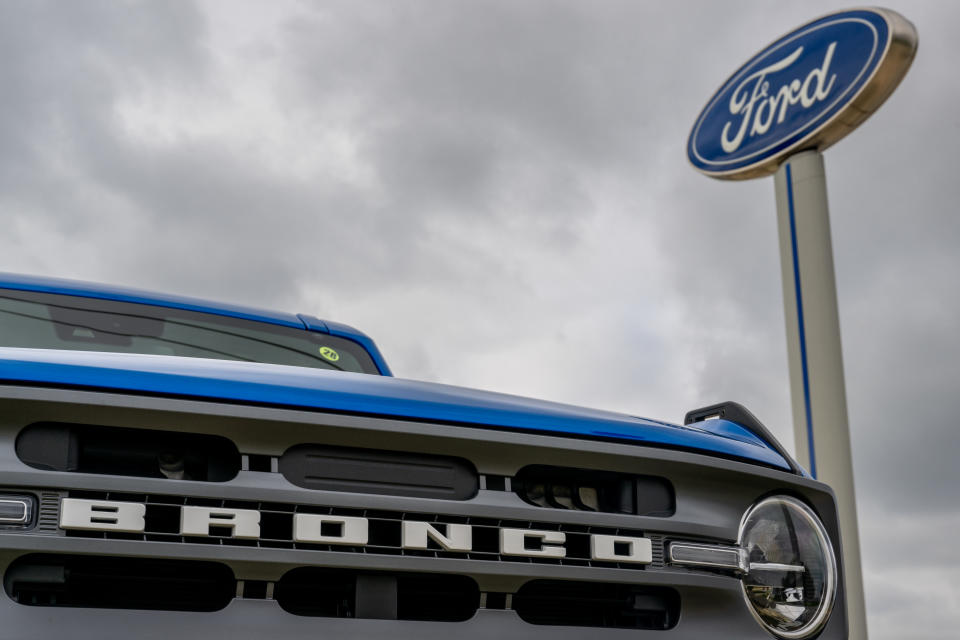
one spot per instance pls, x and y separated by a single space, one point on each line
790 581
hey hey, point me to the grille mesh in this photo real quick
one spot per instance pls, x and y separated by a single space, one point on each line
49 513
659 545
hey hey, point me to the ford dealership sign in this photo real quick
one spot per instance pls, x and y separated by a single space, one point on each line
805 91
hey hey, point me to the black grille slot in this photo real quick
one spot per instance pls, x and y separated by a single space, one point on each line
344 593
380 472
590 604
119 583
592 490
128 452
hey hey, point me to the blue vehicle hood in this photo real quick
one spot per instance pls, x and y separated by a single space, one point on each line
316 389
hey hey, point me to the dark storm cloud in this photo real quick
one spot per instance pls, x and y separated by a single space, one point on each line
463 108
62 63
189 209
63 66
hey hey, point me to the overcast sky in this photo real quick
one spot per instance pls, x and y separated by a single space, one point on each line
497 192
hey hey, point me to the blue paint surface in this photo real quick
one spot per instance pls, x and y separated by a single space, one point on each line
315 389
788 92
800 323
123 294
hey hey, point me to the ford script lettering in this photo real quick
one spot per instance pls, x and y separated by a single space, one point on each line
128 517
804 91
763 105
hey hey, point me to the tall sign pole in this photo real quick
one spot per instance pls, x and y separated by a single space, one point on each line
818 392
775 115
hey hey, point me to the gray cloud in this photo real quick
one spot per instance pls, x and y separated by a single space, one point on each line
497 192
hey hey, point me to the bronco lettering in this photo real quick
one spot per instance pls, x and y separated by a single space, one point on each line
88 515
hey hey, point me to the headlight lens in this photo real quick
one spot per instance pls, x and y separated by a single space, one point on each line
791 575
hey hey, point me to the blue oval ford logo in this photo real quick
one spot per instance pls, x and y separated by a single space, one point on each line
806 90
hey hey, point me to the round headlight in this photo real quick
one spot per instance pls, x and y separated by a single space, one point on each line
791 574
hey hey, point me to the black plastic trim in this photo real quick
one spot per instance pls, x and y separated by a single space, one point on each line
397 473
736 412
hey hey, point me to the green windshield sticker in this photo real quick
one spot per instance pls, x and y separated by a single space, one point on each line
329 354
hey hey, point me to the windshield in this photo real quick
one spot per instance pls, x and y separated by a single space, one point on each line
52 321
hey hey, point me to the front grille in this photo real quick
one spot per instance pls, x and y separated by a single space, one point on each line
276 530
119 583
107 582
